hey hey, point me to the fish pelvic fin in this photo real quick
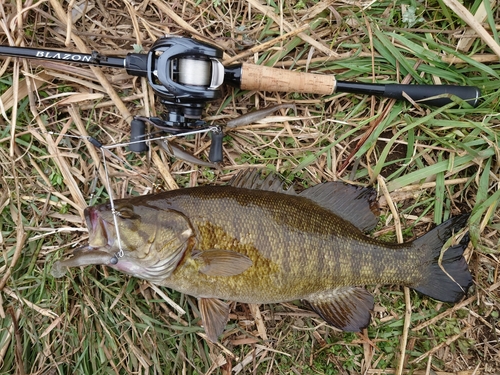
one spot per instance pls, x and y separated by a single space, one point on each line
347 308
214 316
447 277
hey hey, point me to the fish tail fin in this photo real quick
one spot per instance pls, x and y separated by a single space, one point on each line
447 277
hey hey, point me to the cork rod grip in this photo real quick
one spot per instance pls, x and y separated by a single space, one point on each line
263 78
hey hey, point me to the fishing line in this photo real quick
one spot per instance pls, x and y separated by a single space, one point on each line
115 213
102 148
107 148
164 137
120 253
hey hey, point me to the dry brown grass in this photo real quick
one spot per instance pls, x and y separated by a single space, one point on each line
433 162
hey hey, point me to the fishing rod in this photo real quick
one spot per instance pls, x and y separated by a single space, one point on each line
186 74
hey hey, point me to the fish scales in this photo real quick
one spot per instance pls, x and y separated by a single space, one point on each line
296 238
254 241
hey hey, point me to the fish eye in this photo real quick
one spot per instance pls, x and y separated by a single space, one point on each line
126 213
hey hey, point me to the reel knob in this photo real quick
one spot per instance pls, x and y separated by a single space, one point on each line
215 153
138 136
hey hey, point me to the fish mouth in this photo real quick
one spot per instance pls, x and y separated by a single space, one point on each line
99 230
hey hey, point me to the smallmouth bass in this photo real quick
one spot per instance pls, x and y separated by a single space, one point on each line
252 241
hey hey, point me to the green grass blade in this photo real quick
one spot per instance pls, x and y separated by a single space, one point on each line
442 166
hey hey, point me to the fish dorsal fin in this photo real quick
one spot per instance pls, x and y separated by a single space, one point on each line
358 205
214 316
345 308
253 179
218 262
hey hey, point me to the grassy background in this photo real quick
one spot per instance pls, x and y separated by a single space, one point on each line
427 163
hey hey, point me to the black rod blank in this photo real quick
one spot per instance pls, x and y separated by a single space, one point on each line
46 54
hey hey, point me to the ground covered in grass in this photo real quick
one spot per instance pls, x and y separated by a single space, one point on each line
427 163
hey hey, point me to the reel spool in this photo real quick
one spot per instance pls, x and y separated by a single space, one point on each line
194 72
184 72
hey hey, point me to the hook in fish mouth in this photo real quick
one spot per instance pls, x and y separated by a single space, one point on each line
100 232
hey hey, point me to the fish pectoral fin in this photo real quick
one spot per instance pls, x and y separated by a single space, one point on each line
345 308
217 262
214 316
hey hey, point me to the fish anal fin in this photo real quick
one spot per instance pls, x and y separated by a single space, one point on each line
214 316
218 262
348 309
358 205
